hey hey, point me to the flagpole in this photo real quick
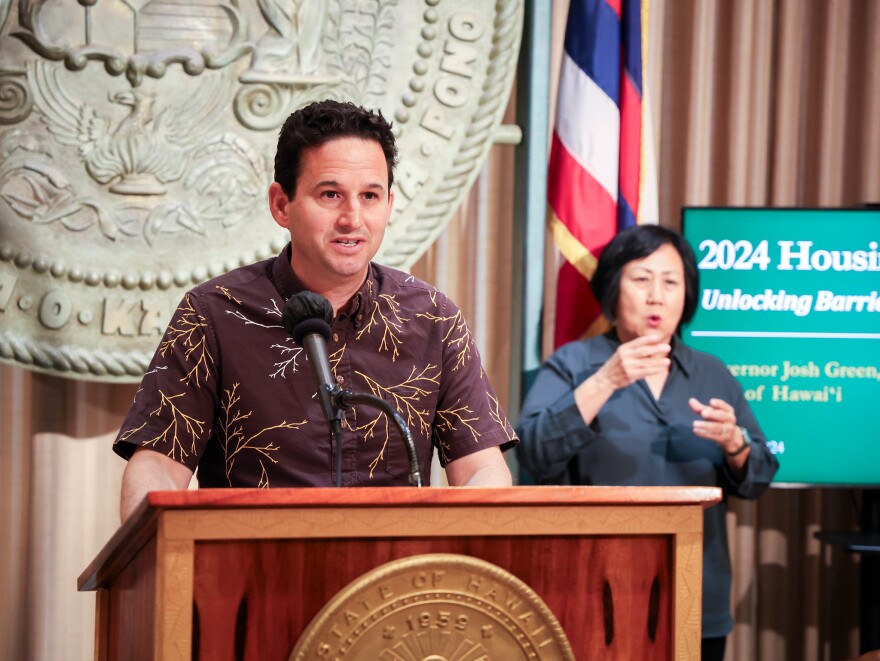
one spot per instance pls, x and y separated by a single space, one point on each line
530 197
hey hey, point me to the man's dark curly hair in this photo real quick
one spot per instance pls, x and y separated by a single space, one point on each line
322 122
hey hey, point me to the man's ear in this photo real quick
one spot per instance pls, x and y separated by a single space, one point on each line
390 206
278 202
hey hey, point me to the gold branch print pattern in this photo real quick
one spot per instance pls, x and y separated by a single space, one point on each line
406 397
227 294
455 419
182 428
236 441
369 430
336 357
386 314
184 330
498 416
124 436
458 337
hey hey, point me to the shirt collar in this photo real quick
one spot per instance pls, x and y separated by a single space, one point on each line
283 277
287 283
683 355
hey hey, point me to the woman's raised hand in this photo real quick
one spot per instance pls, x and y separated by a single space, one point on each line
636 359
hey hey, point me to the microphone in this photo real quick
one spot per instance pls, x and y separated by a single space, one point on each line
307 317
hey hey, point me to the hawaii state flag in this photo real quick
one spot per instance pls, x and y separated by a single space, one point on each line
602 176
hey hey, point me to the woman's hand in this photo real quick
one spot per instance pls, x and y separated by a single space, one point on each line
635 360
632 361
718 425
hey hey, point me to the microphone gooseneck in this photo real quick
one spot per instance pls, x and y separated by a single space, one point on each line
349 399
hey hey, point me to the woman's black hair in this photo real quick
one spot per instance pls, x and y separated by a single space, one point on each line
636 243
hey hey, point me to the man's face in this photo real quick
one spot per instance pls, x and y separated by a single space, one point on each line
338 213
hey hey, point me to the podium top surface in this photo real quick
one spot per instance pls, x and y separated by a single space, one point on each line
142 524
428 496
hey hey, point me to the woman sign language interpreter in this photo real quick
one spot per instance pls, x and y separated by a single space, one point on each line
637 407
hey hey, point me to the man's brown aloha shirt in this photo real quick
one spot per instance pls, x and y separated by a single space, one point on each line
229 392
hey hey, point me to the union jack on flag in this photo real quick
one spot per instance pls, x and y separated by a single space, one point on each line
601 177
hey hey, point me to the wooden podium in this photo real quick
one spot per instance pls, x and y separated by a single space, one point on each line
239 574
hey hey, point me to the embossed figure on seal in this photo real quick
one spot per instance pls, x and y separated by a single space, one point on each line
294 43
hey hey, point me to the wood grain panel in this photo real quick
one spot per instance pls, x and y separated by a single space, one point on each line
688 562
254 599
242 576
324 522
174 589
131 608
102 628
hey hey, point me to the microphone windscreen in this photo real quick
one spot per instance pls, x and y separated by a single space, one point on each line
307 326
307 306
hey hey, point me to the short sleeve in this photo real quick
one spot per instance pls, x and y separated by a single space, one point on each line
469 416
174 407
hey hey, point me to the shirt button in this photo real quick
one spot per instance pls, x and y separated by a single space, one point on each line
340 380
336 337
360 317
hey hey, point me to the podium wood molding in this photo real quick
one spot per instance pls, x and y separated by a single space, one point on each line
154 573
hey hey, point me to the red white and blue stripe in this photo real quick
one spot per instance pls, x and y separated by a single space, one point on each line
602 176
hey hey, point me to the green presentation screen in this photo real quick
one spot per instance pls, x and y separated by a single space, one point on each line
790 301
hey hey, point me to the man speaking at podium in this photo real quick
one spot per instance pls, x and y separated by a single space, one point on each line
231 393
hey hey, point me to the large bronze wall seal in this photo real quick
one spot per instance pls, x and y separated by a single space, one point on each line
137 141
435 607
